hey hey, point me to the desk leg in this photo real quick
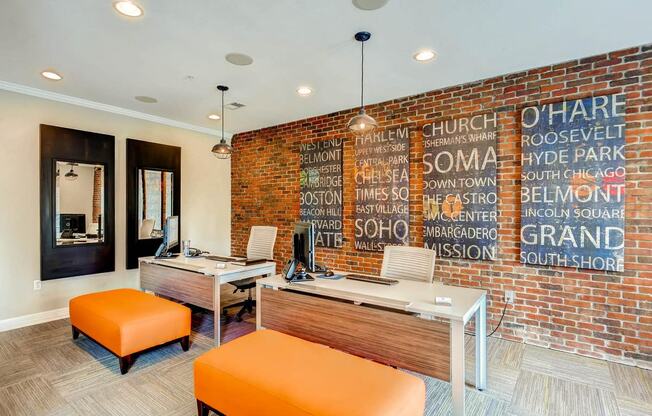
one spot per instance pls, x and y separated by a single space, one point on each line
259 305
457 366
481 346
217 312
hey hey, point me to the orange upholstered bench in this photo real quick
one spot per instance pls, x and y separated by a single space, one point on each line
270 373
128 321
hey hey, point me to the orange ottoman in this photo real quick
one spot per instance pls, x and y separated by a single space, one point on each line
128 321
270 373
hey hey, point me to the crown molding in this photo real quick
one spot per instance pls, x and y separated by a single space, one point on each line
81 102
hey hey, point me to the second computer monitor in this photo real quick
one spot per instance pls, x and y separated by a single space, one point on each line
304 244
170 237
171 232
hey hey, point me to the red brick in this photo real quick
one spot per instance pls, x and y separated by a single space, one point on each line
592 313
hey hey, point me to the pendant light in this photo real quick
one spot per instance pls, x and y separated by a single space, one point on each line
362 123
222 150
71 175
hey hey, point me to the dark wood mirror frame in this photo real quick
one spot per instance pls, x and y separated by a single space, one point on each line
150 156
63 144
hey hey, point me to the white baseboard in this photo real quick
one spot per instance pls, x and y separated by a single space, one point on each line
33 319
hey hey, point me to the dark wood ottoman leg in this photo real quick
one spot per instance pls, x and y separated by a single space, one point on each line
125 363
202 409
75 333
185 343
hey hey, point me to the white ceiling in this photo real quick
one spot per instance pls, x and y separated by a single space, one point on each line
110 59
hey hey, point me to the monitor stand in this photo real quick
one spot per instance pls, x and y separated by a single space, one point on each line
163 253
301 277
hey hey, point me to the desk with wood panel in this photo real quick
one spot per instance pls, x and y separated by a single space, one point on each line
192 280
398 325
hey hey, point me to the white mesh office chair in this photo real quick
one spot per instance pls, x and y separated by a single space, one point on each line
261 242
260 245
411 263
146 228
92 228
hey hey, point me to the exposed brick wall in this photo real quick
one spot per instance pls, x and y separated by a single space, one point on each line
593 313
97 194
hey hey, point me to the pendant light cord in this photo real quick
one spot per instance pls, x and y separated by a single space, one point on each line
362 78
223 141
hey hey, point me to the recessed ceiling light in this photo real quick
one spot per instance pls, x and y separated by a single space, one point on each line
304 91
369 4
145 99
128 8
425 55
51 75
214 116
239 59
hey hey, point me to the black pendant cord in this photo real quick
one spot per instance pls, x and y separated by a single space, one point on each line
362 78
223 141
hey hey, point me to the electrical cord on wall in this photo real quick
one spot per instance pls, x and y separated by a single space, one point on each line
497 326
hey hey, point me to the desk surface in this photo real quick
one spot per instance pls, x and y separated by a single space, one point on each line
408 295
71 241
205 266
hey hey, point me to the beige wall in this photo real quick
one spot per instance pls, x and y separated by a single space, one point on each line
205 198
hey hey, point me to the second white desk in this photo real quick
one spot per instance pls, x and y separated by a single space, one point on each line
196 280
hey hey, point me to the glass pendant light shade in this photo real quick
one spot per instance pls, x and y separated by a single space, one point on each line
71 175
222 150
362 123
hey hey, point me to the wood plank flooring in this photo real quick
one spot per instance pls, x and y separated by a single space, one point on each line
44 372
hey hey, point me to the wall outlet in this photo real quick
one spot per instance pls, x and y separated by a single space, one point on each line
510 296
37 285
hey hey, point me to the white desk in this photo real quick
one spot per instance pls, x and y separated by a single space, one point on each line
417 298
195 280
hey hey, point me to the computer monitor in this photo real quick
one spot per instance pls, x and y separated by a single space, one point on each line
170 237
304 245
172 232
73 222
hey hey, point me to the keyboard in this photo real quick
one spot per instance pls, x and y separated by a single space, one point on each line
372 279
221 258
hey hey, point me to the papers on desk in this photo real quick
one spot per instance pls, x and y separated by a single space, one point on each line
250 261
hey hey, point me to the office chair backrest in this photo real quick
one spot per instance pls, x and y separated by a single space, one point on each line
92 228
146 228
412 263
261 242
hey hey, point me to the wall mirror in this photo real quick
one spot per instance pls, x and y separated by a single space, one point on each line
155 201
153 195
79 203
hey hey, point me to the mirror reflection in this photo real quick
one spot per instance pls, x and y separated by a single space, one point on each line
155 195
79 203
